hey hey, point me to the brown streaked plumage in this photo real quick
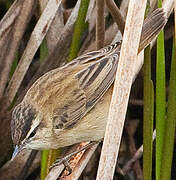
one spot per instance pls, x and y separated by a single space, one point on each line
61 108
63 96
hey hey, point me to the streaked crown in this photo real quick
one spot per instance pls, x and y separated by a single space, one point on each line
22 117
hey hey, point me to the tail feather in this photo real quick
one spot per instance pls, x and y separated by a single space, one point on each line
153 24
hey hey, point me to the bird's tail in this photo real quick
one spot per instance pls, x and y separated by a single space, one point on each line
153 24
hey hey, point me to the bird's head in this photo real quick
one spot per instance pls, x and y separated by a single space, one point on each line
24 126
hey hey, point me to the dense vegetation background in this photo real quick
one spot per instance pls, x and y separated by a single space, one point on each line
56 46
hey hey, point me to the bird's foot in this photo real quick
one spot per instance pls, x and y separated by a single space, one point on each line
65 159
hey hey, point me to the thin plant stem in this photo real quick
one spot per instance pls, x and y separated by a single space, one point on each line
148 111
79 29
116 14
100 24
44 160
148 116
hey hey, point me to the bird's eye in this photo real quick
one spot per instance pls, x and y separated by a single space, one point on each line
32 134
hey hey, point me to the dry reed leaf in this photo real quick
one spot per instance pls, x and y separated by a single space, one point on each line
7 21
36 38
56 27
60 52
42 4
15 34
168 6
18 30
55 30
4 44
124 8
90 10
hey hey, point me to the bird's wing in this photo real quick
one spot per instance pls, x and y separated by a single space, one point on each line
94 55
88 85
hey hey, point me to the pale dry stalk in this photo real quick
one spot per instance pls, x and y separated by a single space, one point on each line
122 86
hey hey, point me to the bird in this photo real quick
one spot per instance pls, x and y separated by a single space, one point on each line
70 104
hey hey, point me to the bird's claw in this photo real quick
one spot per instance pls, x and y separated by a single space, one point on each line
63 161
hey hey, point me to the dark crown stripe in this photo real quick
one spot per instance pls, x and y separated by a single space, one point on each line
22 117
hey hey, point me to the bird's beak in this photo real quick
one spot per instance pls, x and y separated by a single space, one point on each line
16 151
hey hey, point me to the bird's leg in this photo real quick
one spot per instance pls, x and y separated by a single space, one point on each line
65 159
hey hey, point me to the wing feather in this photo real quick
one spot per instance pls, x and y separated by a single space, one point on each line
96 74
94 55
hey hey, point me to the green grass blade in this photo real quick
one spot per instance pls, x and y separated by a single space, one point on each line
79 29
170 122
43 51
160 99
160 102
44 164
147 116
47 159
